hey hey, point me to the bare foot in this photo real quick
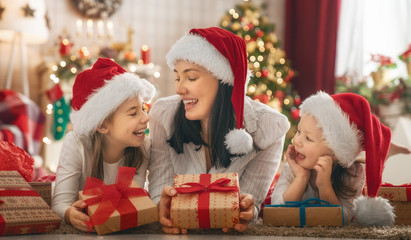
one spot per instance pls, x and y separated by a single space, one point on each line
397 149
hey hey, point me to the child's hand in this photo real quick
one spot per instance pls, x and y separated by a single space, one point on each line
75 216
323 167
297 169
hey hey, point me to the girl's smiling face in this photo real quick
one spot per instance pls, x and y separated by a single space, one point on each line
197 88
126 127
309 142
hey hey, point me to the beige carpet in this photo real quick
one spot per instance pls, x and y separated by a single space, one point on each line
258 229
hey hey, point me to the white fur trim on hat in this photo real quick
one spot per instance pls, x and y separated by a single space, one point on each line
196 49
373 211
238 141
341 136
107 99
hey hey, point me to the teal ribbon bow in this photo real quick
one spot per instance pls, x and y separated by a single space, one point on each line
311 202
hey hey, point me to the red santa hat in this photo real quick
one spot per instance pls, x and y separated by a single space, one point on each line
349 127
224 55
99 91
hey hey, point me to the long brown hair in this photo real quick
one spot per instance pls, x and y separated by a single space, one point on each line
134 156
341 180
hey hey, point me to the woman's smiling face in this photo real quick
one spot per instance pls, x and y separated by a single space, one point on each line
197 88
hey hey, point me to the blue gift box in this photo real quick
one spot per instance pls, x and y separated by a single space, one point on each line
311 212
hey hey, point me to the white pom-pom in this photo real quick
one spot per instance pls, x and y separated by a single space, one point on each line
238 141
375 211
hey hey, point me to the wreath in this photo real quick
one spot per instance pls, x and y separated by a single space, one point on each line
97 8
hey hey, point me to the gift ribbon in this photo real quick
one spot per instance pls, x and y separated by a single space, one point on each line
311 202
203 188
407 187
113 197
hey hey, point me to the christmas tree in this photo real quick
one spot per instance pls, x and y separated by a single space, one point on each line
271 83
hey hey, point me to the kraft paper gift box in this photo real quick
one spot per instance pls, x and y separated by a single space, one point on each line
303 213
43 189
22 210
205 201
117 206
400 199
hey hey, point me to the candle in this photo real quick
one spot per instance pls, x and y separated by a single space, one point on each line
89 28
145 54
100 28
79 30
65 47
110 29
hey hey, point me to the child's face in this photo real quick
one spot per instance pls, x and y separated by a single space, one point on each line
127 125
309 142
197 88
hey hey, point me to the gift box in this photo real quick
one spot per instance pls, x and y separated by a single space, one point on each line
205 201
117 206
311 212
43 189
22 210
400 199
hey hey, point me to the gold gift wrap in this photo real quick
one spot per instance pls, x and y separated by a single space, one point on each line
300 216
222 210
400 199
22 210
43 189
402 212
146 211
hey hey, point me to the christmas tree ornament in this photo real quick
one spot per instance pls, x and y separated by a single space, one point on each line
295 113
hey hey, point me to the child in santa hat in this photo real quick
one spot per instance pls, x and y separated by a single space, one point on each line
109 120
210 126
321 162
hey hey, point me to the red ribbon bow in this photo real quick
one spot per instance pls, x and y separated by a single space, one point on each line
203 188
113 197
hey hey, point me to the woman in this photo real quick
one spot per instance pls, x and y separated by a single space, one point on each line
200 130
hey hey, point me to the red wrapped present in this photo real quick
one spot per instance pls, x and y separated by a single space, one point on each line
118 206
22 210
205 201
400 199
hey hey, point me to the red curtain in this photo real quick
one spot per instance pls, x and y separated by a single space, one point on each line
310 43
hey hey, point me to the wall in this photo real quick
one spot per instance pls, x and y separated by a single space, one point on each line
156 23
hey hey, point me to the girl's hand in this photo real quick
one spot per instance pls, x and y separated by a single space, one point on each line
247 208
164 211
76 217
297 169
323 167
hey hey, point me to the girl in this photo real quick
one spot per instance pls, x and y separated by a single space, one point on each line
201 128
109 121
321 162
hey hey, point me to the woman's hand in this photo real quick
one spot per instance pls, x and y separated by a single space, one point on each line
247 208
164 211
323 167
76 217
297 169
